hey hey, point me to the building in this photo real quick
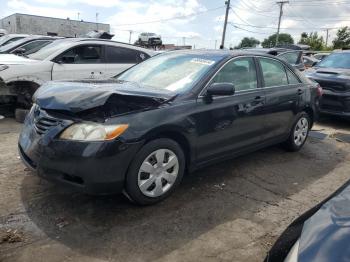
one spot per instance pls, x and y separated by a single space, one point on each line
41 25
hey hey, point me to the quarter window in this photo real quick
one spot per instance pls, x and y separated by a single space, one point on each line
119 55
292 79
290 57
273 72
240 72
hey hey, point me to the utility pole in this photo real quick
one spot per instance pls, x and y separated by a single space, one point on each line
130 33
97 21
327 30
227 3
281 3
216 41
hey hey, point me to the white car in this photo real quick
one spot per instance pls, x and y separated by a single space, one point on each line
150 39
65 59
7 39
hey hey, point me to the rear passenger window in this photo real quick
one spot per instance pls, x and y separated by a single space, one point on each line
120 55
273 72
240 72
292 79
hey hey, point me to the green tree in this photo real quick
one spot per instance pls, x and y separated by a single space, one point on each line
313 40
282 39
248 42
343 38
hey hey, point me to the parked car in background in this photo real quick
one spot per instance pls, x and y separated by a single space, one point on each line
3 32
310 61
293 57
27 45
149 39
333 74
73 58
321 56
320 234
7 39
179 110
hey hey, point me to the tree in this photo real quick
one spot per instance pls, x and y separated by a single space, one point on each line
343 38
248 42
282 39
313 40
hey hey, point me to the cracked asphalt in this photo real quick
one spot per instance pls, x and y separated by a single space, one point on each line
232 211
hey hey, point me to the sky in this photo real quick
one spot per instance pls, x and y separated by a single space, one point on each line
194 22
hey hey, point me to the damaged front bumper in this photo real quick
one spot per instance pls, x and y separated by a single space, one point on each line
335 103
90 167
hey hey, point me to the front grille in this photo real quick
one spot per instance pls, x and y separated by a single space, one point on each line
44 123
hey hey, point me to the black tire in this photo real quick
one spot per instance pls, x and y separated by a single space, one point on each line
20 114
132 189
290 144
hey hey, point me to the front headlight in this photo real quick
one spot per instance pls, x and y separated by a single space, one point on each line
3 67
92 132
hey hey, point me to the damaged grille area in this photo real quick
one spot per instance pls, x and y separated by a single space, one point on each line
43 124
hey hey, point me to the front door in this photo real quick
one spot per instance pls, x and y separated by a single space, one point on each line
232 123
82 62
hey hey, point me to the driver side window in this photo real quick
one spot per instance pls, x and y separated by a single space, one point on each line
240 72
82 55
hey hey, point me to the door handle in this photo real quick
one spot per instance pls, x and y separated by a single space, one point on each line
300 91
259 99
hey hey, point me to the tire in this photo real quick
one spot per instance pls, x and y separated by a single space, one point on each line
299 133
20 114
161 182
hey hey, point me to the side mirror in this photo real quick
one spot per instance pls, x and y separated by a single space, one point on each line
19 51
221 89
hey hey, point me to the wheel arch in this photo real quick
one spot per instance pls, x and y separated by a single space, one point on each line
310 113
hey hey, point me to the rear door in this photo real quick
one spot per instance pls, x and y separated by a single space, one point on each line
284 96
118 59
295 58
231 123
81 62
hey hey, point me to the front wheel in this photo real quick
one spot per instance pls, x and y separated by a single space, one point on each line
299 133
155 172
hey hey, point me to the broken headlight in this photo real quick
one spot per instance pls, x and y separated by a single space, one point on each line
92 132
3 67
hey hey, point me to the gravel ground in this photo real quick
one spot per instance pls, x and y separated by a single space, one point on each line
232 211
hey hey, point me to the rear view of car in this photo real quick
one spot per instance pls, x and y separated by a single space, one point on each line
333 75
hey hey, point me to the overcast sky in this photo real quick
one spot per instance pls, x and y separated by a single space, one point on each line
200 22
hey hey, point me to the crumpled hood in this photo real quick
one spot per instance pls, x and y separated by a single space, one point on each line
9 59
77 96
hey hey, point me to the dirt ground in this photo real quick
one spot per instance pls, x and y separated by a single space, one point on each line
232 211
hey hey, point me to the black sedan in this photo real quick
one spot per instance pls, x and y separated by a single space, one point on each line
333 74
178 111
320 234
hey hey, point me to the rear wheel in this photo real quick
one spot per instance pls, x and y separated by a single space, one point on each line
299 133
155 172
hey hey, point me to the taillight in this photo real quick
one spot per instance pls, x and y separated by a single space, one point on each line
319 90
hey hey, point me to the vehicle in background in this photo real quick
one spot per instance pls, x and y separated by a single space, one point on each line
27 45
72 58
310 61
320 234
7 39
149 39
178 110
321 56
3 32
293 57
333 75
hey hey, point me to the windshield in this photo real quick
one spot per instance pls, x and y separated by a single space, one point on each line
50 49
171 71
12 44
336 60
